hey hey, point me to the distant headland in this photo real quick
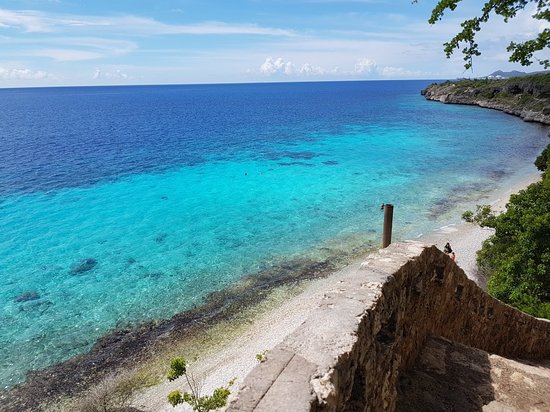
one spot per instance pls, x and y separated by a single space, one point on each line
525 96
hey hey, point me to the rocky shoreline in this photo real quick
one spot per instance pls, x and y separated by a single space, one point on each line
527 97
122 349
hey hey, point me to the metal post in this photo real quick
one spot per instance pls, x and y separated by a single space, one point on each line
388 220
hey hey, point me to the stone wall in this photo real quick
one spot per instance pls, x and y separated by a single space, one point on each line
347 356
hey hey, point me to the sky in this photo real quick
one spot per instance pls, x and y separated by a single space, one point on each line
100 42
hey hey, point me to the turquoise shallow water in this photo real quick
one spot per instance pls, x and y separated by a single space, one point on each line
233 180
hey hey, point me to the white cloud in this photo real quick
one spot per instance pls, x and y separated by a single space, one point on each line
273 66
22 74
365 66
211 28
400 73
30 21
280 66
72 48
35 21
110 75
65 54
310 70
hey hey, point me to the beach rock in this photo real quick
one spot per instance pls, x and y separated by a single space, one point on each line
85 266
27 296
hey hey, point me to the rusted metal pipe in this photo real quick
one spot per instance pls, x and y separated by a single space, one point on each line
388 221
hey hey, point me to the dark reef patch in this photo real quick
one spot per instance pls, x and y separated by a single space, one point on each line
304 155
497 174
458 194
330 162
161 237
153 275
295 164
126 346
84 266
35 306
27 296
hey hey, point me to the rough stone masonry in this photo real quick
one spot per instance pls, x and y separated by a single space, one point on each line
348 355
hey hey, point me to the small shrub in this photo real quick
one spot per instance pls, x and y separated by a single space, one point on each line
543 160
483 216
178 367
468 216
204 403
262 356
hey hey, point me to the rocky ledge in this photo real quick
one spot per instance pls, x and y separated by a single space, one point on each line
527 97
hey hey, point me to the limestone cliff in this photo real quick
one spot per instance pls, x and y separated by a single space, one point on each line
527 97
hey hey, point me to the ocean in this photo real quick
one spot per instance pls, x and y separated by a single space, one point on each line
120 205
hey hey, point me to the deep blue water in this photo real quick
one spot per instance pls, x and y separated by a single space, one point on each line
121 204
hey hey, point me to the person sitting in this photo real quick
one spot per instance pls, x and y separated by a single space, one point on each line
447 249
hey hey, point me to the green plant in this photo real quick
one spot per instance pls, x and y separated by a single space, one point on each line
468 216
262 356
543 160
516 259
483 216
204 403
517 256
523 53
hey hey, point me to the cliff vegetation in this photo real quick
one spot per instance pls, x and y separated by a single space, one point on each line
516 259
525 96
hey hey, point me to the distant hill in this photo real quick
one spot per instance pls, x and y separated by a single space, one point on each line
505 75
499 74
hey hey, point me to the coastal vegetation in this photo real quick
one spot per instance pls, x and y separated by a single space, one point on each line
199 403
516 259
525 96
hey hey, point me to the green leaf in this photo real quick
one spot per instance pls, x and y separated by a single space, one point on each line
175 398
178 367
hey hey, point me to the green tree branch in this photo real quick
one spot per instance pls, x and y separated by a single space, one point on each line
523 52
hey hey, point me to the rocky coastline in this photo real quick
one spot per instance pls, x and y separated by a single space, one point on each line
527 97
124 348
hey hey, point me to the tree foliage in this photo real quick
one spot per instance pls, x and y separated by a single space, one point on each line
523 52
543 160
517 256
199 403
483 216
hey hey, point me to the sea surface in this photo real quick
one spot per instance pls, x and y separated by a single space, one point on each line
125 204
